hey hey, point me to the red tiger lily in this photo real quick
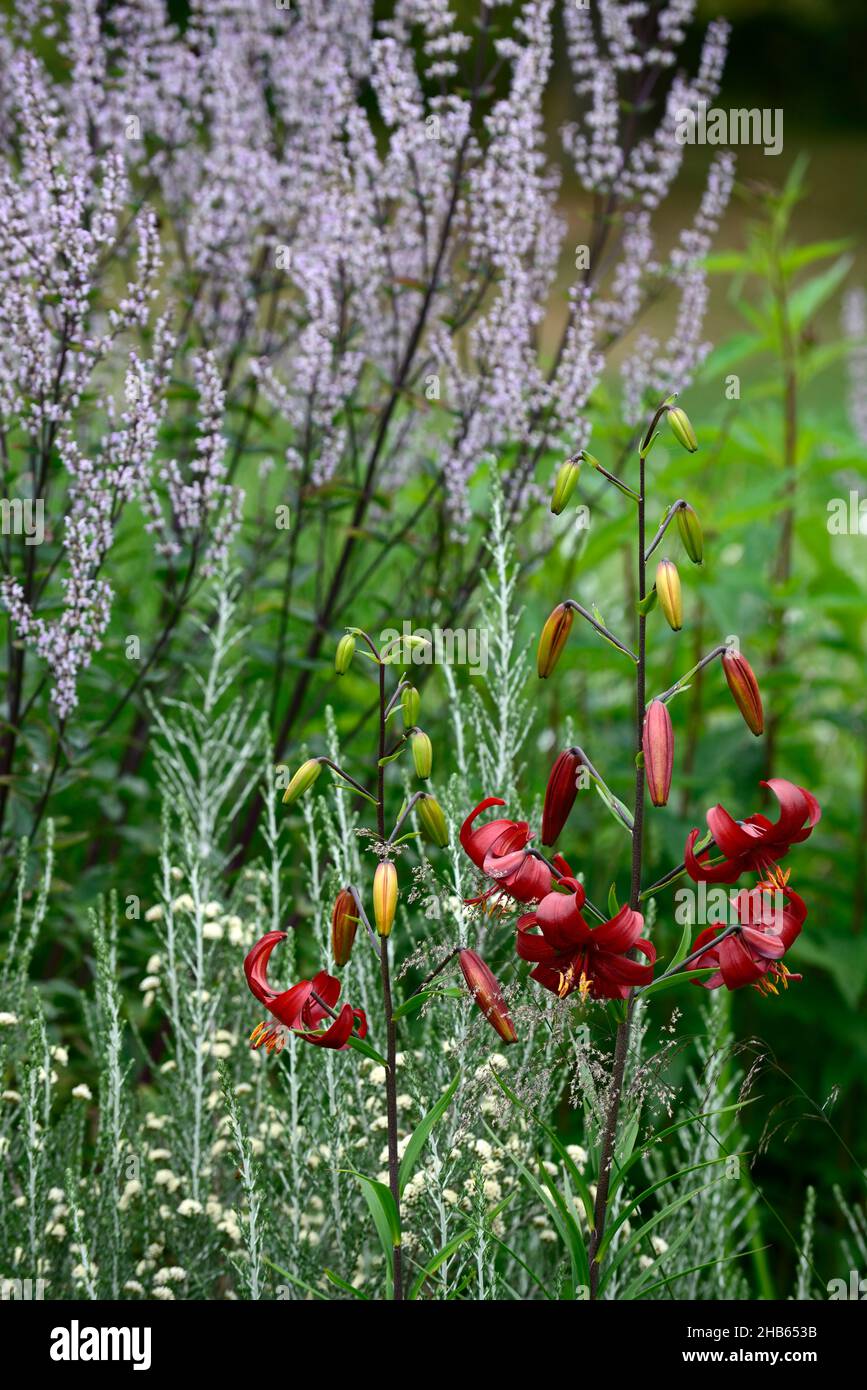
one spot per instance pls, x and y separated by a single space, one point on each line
572 955
302 1008
753 954
756 843
498 848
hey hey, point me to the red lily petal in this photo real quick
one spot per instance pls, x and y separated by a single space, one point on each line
732 838
620 933
739 967
530 946
796 807
256 965
560 921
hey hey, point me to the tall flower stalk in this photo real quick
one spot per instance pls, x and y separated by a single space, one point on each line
606 958
308 1009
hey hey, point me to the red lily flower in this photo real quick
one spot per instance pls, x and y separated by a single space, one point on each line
498 849
756 843
753 955
572 955
302 1008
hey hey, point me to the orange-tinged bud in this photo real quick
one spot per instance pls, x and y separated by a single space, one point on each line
682 429
302 781
745 690
422 754
344 654
384 896
658 746
486 991
690 530
410 703
433 822
553 639
669 594
344 924
565 484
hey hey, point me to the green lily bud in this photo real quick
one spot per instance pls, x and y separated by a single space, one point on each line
689 527
682 429
422 753
410 704
344 654
565 484
302 781
433 822
669 593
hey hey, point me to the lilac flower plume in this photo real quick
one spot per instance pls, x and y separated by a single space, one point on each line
359 233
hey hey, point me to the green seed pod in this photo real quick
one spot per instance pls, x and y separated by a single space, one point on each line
565 484
410 704
689 527
344 654
682 429
433 822
422 753
302 781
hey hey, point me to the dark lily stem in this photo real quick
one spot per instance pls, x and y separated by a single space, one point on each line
390 1029
433 973
621 1046
694 956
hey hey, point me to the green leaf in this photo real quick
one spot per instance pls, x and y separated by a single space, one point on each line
361 1045
613 907
415 1001
293 1279
648 603
386 1219
678 978
423 1131
621 813
347 1288
804 301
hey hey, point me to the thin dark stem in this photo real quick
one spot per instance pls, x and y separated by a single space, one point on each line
600 628
693 956
621 1046
699 666
390 1028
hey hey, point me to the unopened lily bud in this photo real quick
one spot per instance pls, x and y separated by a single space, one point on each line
553 639
485 989
658 748
669 594
344 924
410 703
344 654
433 821
384 896
565 484
560 794
302 781
422 753
682 429
745 690
689 527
